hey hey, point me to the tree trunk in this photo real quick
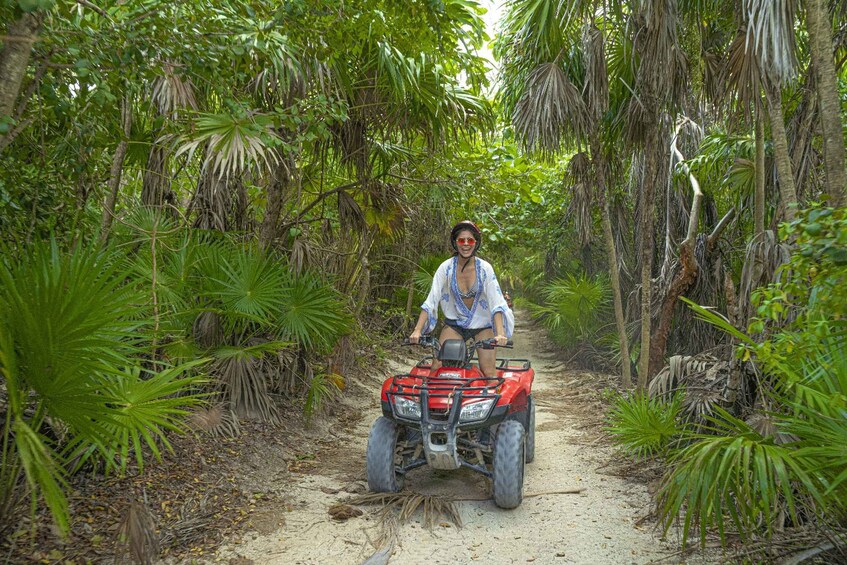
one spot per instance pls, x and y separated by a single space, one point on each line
212 201
647 206
687 273
273 206
600 170
685 277
819 25
14 59
787 190
759 197
116 171
156 182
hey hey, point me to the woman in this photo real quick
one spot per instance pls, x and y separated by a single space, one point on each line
471 299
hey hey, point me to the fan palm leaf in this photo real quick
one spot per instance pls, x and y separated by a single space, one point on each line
144 407
311 313
234 142
244 284
735 472
69 326
550 111
72 316
644 426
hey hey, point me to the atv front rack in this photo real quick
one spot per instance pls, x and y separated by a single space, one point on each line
507 364
457 388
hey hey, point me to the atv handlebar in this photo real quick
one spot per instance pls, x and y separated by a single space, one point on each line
431 341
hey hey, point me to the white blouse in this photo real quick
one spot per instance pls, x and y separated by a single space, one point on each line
488 301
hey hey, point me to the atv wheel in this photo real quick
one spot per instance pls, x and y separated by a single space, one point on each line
509 459
530 431
382 447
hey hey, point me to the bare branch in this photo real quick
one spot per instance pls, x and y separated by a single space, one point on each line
97 9
697 199
721 226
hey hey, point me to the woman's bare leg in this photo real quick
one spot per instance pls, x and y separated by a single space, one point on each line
487 357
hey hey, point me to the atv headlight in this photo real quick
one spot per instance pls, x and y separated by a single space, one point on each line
406 408
476 411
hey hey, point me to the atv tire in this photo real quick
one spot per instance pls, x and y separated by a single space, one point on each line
509 461
382 447
530 431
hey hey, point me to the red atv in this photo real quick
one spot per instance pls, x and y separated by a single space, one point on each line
456 418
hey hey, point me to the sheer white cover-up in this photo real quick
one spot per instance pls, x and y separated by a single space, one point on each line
488 301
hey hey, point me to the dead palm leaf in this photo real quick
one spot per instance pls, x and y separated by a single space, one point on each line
674 375
245 385
596 89
350 213
405 504
761 260
301 256
216 421
550 110
172 92
137 537
771 35
741 76
579 173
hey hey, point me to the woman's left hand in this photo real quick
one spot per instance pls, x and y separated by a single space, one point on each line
501 339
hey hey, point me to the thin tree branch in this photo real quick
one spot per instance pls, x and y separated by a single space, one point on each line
694 216
7 139
721 226
326 194
97 9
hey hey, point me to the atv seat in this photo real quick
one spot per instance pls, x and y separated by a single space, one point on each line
453 353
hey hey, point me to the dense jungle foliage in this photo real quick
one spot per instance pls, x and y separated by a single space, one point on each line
207 207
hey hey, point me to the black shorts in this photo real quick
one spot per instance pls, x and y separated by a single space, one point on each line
466 333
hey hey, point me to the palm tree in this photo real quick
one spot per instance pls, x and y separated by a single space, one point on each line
539 76
819 26
770 35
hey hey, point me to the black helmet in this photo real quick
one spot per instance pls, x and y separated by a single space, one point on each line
465 225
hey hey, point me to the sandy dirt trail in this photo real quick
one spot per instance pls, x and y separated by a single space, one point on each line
598 525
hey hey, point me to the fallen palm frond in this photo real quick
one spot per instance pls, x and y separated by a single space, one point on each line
405 504
137 537
679 367
216 420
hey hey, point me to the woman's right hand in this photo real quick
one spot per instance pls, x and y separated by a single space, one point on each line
415 337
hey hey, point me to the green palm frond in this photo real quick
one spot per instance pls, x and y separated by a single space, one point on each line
311 313
43 469
426 270
644 426
716 319
68 333
733 473
143 407
72 317
233 142
244 284
817 396
322 387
